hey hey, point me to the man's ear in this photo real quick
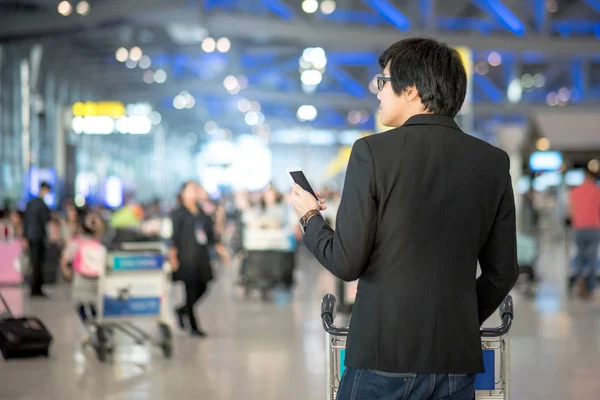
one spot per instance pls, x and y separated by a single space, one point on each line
411 93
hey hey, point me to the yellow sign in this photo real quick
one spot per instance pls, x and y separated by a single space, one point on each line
113 109
339 163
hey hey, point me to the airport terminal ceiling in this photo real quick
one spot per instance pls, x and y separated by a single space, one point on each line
199 61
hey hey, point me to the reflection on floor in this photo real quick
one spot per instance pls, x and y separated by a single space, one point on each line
276 351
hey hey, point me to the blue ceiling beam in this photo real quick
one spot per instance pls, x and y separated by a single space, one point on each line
470 24
502 14
540 15
227 4
488 88
256 60
579 81
354 87
427 13
354 17
279 8
567 28
390 12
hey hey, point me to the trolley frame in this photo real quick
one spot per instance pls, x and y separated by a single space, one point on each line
496 339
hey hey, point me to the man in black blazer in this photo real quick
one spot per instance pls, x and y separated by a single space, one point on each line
421 205
37 216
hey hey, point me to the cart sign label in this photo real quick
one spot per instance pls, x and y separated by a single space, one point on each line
137 262
133 306
487 379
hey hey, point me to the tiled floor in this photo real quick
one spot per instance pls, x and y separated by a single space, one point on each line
276 351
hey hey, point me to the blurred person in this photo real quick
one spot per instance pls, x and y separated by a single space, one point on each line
422 204
72 222
54 247
82 262
16 221
584 210
37 216
189 256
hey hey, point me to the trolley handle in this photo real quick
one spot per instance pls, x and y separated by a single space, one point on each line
328 315
507 315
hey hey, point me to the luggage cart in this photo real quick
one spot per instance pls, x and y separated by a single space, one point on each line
133 287
493 384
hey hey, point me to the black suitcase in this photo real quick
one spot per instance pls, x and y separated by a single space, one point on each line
23 337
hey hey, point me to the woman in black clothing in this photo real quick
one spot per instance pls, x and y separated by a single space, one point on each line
189 255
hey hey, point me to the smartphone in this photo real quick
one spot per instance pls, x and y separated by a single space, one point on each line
298 177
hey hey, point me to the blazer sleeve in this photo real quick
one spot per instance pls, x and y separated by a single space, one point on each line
498 257
346 251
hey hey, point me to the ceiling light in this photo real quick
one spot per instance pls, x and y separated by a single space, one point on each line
542 144
155 118
255 106
160 76
327 7
65 8
209 45
83 8
515 91
179 102
252 118
318 58
145 62
311 77
552 99
527 81
564 95
242 82
149 77
230 83
495 59
122 54
306 113
482 68
539 80
130 64
223 45
135 54
244 105
310 6
211 127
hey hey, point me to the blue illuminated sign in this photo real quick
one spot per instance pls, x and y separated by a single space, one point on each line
137 262
545 161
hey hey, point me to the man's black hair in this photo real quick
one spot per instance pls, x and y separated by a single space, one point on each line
45 185
435 69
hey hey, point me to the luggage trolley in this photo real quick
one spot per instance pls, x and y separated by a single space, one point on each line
493 384
133 287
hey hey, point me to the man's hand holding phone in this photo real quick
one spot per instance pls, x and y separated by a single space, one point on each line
304 201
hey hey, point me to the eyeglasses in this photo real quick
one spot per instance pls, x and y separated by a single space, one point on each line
381 80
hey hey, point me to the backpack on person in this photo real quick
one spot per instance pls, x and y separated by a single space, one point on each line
90 258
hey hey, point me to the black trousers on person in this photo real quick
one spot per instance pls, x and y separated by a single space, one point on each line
36 251
193 292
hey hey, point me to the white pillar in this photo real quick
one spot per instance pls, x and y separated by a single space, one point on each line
511 139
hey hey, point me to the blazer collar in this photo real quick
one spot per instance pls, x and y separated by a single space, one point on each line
431 119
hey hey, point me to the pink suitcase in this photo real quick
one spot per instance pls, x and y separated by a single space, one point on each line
9 252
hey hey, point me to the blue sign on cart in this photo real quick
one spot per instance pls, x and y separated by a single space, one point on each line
487 379
133 306
137 262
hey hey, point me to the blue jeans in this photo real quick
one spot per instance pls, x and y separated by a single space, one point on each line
587 242
364 384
